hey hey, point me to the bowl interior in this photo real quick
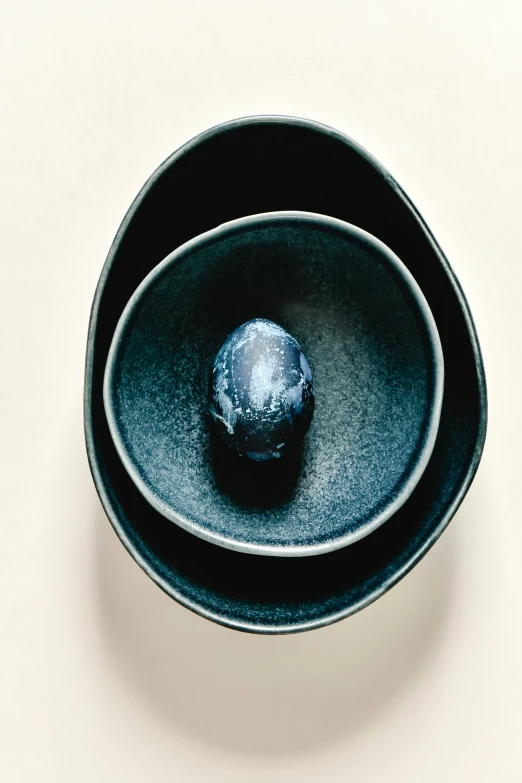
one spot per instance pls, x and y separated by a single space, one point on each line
269 164
377 366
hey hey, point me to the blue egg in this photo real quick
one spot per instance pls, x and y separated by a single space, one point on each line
261 392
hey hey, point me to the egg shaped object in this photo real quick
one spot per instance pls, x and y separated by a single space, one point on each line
261 393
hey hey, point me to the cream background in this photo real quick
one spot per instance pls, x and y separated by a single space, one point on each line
104 678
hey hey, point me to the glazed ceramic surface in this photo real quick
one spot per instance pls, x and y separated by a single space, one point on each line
375 355
274 163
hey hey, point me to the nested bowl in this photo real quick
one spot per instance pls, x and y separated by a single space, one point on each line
377 366
270 164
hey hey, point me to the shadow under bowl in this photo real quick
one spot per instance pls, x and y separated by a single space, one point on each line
269 164
377 364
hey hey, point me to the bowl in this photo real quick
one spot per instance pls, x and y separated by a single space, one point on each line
377 365
277 163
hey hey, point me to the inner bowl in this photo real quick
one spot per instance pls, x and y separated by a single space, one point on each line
377 365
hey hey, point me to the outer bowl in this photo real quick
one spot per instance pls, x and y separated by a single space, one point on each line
377 364
274 163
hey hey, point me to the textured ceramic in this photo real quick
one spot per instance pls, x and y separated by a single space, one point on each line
375 355
274 163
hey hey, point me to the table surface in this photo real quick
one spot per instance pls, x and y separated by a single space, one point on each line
102 676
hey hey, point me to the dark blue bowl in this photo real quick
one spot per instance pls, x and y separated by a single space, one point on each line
375 355
269 164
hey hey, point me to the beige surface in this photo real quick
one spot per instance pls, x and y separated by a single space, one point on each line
103 678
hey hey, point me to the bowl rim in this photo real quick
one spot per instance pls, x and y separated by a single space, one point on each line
407 482
105 492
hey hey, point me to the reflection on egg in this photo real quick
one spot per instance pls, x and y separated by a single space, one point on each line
261 393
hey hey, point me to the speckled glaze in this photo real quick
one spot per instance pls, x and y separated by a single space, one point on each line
261 395
377 362
271 163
